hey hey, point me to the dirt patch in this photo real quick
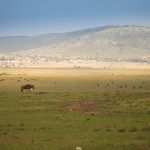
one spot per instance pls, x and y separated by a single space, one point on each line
93 113
81 107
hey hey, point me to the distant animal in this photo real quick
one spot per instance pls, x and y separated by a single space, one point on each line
27 87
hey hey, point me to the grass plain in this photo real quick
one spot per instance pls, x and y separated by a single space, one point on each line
93 109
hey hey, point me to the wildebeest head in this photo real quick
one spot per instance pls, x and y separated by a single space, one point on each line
32 87
21 88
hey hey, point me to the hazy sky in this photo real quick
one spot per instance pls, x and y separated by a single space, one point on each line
30 17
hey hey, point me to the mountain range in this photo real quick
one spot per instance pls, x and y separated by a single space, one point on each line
108 43
17 43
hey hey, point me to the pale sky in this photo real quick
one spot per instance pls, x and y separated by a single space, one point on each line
32 17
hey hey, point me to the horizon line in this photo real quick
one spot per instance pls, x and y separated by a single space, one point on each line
75 30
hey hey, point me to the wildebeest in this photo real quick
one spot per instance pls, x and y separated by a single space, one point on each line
27 87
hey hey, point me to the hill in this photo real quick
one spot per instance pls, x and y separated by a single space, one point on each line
18 43
103 44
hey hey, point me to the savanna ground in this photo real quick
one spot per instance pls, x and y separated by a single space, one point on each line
92 109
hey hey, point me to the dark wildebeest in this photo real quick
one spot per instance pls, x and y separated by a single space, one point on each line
27 87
